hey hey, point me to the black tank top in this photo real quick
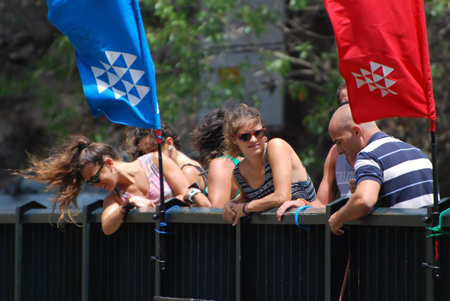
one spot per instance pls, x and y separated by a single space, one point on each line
304 190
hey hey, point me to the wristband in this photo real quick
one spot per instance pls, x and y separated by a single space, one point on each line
306 202
126 205
243 209
192 193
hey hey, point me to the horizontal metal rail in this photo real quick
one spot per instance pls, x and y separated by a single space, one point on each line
261 259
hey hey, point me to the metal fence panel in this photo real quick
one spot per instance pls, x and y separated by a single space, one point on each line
282 263
200 262
7 262
51 267
385 263
120 264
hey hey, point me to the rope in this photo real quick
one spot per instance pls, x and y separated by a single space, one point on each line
438 229
300 209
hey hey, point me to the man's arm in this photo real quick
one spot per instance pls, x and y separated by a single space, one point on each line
326 192
361 202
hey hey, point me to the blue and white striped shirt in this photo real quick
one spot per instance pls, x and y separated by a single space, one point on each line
403 171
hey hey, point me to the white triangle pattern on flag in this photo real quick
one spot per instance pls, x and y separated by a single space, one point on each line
118 93
142 90
112 56
136 75
97 71
134 100
101 85
128 85
120 71
377 80
129 59
113 79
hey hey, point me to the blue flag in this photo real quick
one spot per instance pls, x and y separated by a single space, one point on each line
113 58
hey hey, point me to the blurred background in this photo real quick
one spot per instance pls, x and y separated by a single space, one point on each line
279 56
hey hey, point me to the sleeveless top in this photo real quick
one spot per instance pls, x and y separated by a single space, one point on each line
236 162
201 172
344 173
152 173
304 189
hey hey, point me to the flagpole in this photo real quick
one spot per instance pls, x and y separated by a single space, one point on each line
435 216
162 207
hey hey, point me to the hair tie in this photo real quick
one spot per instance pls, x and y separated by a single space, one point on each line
83 146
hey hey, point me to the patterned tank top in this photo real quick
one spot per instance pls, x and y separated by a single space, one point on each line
152 173
304 189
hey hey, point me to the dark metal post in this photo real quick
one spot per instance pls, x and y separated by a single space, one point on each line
87 211
159 257
19 243
238 260
433 218
334 269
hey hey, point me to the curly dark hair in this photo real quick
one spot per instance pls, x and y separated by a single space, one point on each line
207 138
342 86
63 169
134 136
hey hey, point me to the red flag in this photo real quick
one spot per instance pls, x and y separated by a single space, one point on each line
383 57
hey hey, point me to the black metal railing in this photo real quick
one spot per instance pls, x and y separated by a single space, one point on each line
208 259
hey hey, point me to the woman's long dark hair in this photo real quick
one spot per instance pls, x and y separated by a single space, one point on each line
207 138
135 136
63 168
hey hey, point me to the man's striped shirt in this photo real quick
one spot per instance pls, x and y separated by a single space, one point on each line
403 171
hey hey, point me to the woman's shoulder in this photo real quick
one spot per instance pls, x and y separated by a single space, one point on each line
277 143
222 162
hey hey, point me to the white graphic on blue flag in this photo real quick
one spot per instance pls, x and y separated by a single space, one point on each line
120 78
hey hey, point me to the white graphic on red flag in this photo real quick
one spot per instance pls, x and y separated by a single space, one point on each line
376 78
111 76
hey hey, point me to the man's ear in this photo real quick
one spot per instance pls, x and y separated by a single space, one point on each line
357 130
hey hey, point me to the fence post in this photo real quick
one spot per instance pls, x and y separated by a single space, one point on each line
87 211
334 269
436 289
238 228
19 243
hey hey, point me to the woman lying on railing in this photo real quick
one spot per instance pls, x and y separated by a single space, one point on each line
130 184
271 172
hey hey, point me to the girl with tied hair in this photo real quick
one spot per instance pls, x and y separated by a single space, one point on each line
270 174
130 184
143 141
207 139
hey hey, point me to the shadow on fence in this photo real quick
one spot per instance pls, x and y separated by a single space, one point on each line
208 259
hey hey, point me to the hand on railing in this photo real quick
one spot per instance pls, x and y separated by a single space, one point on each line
290 204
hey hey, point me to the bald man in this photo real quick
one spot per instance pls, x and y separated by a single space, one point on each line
389 172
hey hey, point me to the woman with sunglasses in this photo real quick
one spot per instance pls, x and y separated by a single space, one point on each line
130 184
143 141
207 139
271 172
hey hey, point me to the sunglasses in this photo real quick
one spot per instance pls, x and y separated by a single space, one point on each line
95 178
244 137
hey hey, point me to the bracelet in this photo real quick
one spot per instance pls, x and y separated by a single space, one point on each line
243 209
126 205
306 202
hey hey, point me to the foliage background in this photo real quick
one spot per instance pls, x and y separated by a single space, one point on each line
41 98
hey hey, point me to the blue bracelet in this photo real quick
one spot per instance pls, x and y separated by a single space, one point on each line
243 209
301 209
